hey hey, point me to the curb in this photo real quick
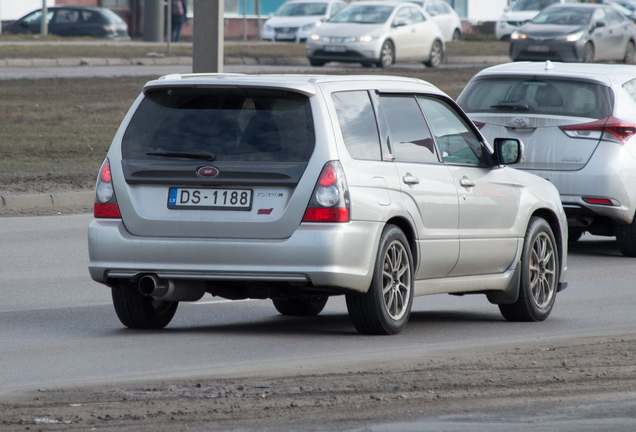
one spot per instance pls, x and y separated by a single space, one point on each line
21 202
186 61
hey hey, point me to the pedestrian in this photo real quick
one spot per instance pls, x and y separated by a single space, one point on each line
178 18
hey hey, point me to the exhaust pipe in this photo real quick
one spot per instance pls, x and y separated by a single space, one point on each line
170 290
151 285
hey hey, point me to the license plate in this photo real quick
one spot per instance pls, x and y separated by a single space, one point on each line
334 48
285 36
210 199
539 48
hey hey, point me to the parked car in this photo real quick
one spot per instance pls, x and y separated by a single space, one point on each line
578 123
297 19
73 21
522 12
377 33
444 16
297 188
576 33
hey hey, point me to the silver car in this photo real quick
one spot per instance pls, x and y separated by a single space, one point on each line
444 16
297 188
578 123
377 33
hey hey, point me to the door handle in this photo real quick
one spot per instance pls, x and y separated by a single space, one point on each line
466 182
410 179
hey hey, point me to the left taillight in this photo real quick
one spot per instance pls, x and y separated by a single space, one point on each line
330 199
608 129
105 202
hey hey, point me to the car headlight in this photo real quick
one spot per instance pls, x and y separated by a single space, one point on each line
517 35
367 38
308 26
314 37
574 36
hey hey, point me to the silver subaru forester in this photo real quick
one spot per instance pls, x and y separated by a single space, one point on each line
297 188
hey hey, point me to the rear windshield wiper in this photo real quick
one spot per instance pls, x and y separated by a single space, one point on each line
515 106
205 155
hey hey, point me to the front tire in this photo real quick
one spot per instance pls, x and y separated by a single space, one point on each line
437 55
386 307
539 275
588 53
457 35
317 63
387 55
630 53
312 305
626 239
137 311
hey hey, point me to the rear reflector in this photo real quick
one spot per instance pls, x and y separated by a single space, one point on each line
334 214
106 211
599 201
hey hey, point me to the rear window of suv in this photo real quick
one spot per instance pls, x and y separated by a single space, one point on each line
537 96
261 125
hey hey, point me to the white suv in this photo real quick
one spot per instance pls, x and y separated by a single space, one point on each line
297 188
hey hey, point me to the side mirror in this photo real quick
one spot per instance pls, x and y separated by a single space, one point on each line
399 23
508 151
600 24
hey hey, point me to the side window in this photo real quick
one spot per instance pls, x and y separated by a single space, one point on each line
457 142
411 140
443 8
614 17
358 125
417 15
431 9
66 16
630 87
403 17
599 16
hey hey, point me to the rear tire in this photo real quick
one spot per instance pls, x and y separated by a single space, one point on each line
317 63
457 35
626 239
437 55
386 307
539 275
137 311
311 306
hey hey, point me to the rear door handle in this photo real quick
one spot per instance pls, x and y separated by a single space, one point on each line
410 179
466 182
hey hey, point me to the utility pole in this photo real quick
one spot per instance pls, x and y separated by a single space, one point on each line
207 52
44 25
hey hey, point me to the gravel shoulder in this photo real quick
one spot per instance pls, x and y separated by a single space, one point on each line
492 381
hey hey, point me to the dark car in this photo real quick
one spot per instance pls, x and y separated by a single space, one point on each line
73 21
576 33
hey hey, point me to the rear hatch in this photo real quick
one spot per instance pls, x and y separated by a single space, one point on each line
216 161
544 113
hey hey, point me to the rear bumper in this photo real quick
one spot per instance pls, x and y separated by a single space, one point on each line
333 255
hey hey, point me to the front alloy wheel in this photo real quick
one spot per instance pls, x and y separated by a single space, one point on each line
436 56
539 275
387 55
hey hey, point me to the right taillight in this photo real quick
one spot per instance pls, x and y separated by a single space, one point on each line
330 199
609 129
105 203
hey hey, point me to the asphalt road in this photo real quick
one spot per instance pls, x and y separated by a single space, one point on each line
59 327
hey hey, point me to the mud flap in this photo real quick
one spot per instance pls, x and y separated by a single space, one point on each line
511 293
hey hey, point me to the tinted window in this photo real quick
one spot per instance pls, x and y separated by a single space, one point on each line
410 138
303 9
357 123
568 15
251 125
532 5
457 142
519 95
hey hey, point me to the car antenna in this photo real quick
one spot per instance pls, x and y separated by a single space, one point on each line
549 65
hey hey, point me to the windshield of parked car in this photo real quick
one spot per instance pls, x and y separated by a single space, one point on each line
259 125
363 14
302 9
567 15
522 95
532 5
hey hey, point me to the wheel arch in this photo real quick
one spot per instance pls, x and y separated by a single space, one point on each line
409 232
552 220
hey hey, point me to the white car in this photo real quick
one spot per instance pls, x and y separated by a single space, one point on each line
445 16
377 33
522 12
297 19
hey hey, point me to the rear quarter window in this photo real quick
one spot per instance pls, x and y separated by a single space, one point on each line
233 125
357 124
537 96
